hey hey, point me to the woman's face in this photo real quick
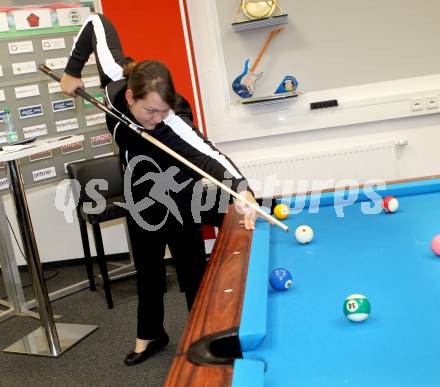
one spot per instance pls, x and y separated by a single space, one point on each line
148 111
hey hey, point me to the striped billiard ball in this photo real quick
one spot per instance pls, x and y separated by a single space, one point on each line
357 307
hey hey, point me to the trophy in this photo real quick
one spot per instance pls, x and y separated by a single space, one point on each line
258 13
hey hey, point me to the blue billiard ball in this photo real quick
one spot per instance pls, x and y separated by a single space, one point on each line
280 279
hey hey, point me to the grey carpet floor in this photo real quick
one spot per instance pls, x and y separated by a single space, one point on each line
98 359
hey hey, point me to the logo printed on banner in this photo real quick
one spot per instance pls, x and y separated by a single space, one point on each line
26 91
30 111
33 20
54 87
4 183
43 174
35 131
4 26
63 125
24 68
40 156
101 139
20 47
2 95
37 18
95 119
98 96
53 44
70 148
72 16
56 63
91 81
63 104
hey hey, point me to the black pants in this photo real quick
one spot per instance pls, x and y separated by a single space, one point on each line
187 249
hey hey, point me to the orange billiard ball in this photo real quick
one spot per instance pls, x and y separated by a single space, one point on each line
281 211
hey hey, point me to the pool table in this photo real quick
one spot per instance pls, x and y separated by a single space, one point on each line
243 333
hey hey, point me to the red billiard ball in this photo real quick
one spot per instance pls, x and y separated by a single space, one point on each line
390 204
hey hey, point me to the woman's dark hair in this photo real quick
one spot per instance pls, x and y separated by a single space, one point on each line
148 76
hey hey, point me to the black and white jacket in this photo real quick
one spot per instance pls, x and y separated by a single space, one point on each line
98 35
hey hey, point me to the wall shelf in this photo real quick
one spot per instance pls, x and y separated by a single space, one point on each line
260 23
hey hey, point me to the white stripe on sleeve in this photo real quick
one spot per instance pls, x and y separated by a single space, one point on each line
186 133
110 67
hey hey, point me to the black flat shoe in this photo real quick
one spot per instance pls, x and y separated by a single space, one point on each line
134 358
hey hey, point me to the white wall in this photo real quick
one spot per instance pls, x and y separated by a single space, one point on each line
421 157
368 114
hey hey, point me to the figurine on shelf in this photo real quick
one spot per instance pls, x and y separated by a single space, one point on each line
289 84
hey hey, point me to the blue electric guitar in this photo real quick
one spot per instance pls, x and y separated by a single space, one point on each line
244 84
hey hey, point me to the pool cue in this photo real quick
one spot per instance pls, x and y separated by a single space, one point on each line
124 120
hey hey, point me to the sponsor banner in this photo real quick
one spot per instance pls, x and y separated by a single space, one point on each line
4 183
26 91
54 87
35 131
30 111
1 115
24 68
73 161
40 156
43 174
56 63
3 138
20 47
63 104
95 119
4 27
2 95
1 71
98 96
103 155
101 139
92 60
69 124
53 44
72 16
91 81
70 148
32 19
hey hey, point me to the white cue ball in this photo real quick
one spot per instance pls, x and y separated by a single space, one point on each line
304 234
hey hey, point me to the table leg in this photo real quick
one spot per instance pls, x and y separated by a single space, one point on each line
11 276
44 341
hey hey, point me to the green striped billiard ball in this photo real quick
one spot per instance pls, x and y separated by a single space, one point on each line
357 307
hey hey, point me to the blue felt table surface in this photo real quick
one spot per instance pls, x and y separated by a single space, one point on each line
388 258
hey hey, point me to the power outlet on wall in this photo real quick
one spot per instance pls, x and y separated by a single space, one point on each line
431 102
416 104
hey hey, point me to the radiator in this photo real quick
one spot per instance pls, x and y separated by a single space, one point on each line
306 172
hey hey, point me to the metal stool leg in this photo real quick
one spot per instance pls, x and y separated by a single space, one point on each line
86 249
102 264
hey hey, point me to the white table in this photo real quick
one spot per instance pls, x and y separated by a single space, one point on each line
52 339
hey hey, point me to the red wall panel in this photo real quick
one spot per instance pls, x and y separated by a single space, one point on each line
153 30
